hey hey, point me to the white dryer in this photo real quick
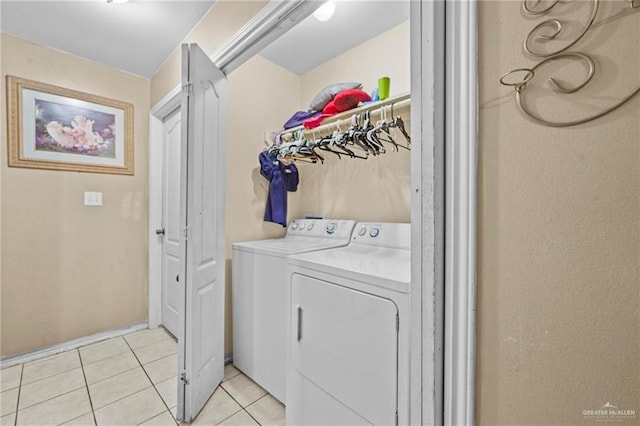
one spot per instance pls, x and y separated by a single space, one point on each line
349 337
259 296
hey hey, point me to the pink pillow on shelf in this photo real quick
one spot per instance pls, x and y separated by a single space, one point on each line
346 100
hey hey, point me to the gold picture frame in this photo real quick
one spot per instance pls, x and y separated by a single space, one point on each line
50 127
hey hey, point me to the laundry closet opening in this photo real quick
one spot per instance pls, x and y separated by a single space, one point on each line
326 107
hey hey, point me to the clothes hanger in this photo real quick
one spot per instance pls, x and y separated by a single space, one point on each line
399 124
375 135
359 136
325 143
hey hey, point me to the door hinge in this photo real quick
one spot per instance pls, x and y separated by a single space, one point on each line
188 89
396 418
183 377
185 233
397 322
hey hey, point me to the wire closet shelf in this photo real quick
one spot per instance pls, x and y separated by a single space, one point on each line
357 133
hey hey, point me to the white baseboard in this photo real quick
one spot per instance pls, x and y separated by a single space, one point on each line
71 344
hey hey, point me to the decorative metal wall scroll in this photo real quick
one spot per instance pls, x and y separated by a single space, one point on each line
546 31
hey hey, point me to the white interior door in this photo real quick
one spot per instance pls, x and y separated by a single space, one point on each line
203 168
171 232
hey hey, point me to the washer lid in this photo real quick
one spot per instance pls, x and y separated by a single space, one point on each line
283 247
380 266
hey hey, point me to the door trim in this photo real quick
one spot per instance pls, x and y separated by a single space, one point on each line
461 134
427 28
167 106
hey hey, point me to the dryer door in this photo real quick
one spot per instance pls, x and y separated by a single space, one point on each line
344 348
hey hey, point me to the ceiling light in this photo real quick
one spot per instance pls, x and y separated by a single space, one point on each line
326 11
116 1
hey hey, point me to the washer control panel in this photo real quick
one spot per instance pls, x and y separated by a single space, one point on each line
321 228
393 235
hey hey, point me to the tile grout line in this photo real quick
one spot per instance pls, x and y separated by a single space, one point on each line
75 418
249 414
247 411
262 397
176 353
232 414
86 384
152 343
112 376
124 397
48 377
152 385
241 407
47 357
235 375
158 415
104 359
15 420
228 417
53 397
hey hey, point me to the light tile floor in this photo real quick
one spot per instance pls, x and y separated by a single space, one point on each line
128 380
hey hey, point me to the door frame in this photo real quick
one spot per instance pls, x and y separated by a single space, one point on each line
443 186
461 195
167 106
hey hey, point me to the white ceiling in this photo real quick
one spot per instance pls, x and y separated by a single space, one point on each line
136 37
312 42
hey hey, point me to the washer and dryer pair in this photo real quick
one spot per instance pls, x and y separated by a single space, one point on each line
341 316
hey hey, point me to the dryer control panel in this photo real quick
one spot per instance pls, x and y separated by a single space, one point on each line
321 228
392 235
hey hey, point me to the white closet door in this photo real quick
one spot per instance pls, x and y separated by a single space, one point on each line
201 352
344 354
172 291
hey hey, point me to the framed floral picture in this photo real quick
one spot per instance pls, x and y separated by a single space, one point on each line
50 127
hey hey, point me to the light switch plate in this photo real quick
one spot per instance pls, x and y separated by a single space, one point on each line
92 198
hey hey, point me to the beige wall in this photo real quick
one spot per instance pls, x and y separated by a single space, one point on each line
376 189
70 270
222 21
384 55
559 232
254 108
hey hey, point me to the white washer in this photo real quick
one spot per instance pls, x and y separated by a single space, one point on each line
349 338
259 297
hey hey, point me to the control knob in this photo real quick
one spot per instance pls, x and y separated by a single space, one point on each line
331 228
